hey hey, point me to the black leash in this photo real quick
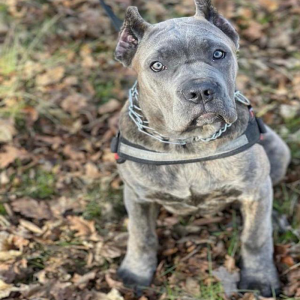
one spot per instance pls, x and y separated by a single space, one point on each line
117 23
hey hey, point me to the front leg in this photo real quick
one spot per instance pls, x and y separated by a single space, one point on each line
258 270
140 262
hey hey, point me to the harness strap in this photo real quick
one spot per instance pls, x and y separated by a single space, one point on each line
126 150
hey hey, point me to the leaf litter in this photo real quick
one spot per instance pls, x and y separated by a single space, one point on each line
62 220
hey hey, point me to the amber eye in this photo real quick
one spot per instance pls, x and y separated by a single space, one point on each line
219 54
157 66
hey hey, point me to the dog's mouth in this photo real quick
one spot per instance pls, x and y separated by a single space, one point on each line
205 119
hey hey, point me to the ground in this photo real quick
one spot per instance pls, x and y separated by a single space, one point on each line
62 220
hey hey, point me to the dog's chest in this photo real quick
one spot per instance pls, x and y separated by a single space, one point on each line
196 202
184 189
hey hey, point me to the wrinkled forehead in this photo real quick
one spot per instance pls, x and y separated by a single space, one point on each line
185 32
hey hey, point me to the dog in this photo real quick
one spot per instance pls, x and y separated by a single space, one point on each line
189 141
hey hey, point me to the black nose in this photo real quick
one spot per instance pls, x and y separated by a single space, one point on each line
196 92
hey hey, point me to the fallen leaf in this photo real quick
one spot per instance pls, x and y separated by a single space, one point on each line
114 295
6 289
254 30
249 296
270 5
72 153
63 204
229 263
192 286
91 171
9 154
109 107
31 227
32 209
74 103
82 281
108 250
82 226
7 255
52 76
288 260
7 130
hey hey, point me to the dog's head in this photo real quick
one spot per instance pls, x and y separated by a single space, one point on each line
186 70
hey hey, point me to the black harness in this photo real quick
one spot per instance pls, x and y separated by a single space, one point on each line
125 150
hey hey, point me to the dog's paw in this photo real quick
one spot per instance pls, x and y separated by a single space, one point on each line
137 274
266 283
137 282
134 280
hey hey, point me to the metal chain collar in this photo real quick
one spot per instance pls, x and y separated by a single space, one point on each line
143 127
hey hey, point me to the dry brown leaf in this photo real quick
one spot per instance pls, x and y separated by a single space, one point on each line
70 152
82 226
114 294
108 156
12 242
229 263
32 114
113 283
296 85
62 291
6 289
7 255
31 227
9 154
74 103
249 296
109 107
61 205
291 289
109 251
91 171
7 130
288 260
82 281
52 76
32 209
270 5
254 30
192 286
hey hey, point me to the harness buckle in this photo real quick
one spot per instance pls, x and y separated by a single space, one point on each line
114 145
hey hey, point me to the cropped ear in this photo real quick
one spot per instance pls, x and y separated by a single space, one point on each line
205 9
132 31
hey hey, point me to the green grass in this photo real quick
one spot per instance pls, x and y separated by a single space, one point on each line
2 210
41 185
213 291
104 204
234 240
104 90
293 124
92 210
15 54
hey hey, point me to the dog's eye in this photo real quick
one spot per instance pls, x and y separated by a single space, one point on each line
219 54
157 66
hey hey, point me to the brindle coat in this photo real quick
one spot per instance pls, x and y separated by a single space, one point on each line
185 47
